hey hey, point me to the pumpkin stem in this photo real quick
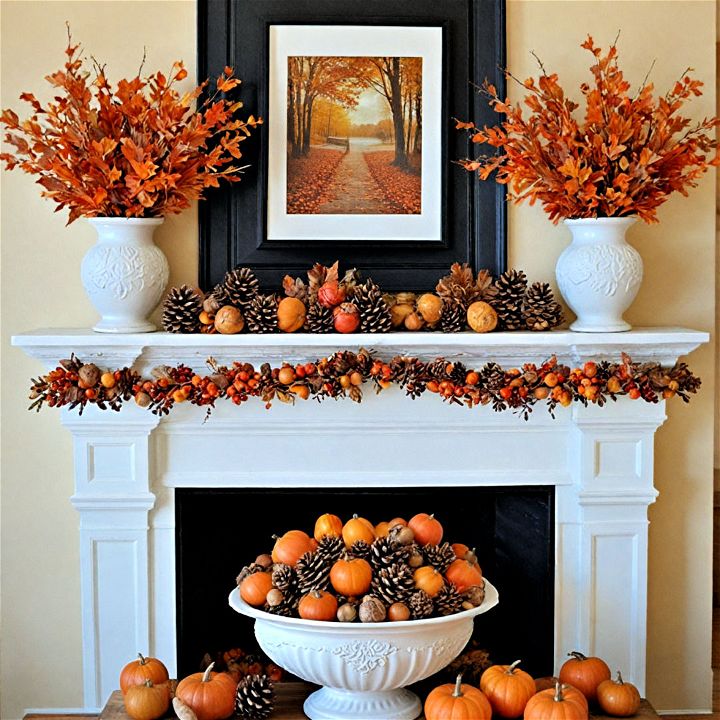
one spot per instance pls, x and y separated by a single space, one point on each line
142 660
619 680
148 682
511 668
457 692
577 655
206 674
431 516
559 697
355 516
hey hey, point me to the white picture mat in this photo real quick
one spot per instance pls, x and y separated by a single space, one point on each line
355 41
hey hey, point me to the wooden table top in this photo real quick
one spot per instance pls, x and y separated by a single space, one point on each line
289 698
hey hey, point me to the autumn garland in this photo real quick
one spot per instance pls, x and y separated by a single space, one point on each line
342 375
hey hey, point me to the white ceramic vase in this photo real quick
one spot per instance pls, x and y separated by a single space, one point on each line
599 274
363 667
124 273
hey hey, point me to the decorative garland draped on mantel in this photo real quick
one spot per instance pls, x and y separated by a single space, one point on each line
343 374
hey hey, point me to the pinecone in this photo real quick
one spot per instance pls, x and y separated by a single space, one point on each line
330 548
439 556
454 316
448 600
384 552
313 572
241 287
261 314
394 583
360 549
181 310
319 319
540 311
508 300
462 286
284 577
374 311
254 697
421 605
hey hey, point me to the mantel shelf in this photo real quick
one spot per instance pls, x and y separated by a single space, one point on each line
662 344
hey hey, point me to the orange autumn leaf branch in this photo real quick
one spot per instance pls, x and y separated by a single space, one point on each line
625 157
140 149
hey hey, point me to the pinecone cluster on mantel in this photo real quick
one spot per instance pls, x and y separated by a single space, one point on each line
327 302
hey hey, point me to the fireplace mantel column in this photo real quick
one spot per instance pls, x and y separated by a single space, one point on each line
112 495
602 528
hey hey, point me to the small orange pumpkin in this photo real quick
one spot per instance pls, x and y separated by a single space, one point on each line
328 524
507 688
254 588
318 605
584 673
463 574
428 530
142 669
563 702
358 528
457 702
351 577
147 701
291 547
210 695
618 698
427 578
397 521
382 529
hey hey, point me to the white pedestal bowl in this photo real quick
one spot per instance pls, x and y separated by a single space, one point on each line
363 667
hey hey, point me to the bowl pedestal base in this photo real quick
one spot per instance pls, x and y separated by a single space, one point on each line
332 704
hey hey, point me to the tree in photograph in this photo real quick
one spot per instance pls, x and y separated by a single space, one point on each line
399 80
309 78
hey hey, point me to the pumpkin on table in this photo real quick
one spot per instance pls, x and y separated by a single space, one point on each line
584 673
357 528
351 576
210 695
318 605
508 688
563 702
142 669
457 702
291 546
618 698
427 529
147 701
328 524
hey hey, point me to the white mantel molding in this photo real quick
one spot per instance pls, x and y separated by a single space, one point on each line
128 464
642 344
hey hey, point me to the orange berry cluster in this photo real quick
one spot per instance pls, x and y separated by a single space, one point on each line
344 373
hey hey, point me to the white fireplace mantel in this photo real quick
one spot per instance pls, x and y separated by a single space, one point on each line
128 464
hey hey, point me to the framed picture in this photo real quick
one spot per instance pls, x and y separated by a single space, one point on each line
354 159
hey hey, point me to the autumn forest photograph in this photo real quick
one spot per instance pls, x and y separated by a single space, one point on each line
354 135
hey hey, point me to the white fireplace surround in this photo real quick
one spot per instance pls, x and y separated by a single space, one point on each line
128 464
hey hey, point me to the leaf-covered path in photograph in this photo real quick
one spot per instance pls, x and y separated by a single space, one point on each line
401 187
354 191
310 180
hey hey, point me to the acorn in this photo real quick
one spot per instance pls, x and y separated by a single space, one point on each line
89 374
274 597
347 613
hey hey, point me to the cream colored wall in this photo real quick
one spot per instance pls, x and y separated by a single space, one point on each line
40 665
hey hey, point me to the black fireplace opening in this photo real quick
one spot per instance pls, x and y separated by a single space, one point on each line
218 531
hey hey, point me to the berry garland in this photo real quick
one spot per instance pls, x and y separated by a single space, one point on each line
343 374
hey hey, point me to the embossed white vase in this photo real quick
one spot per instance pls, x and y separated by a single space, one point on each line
124 273
599 273
363 667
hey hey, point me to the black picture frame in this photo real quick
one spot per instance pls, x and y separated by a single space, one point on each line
233 219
